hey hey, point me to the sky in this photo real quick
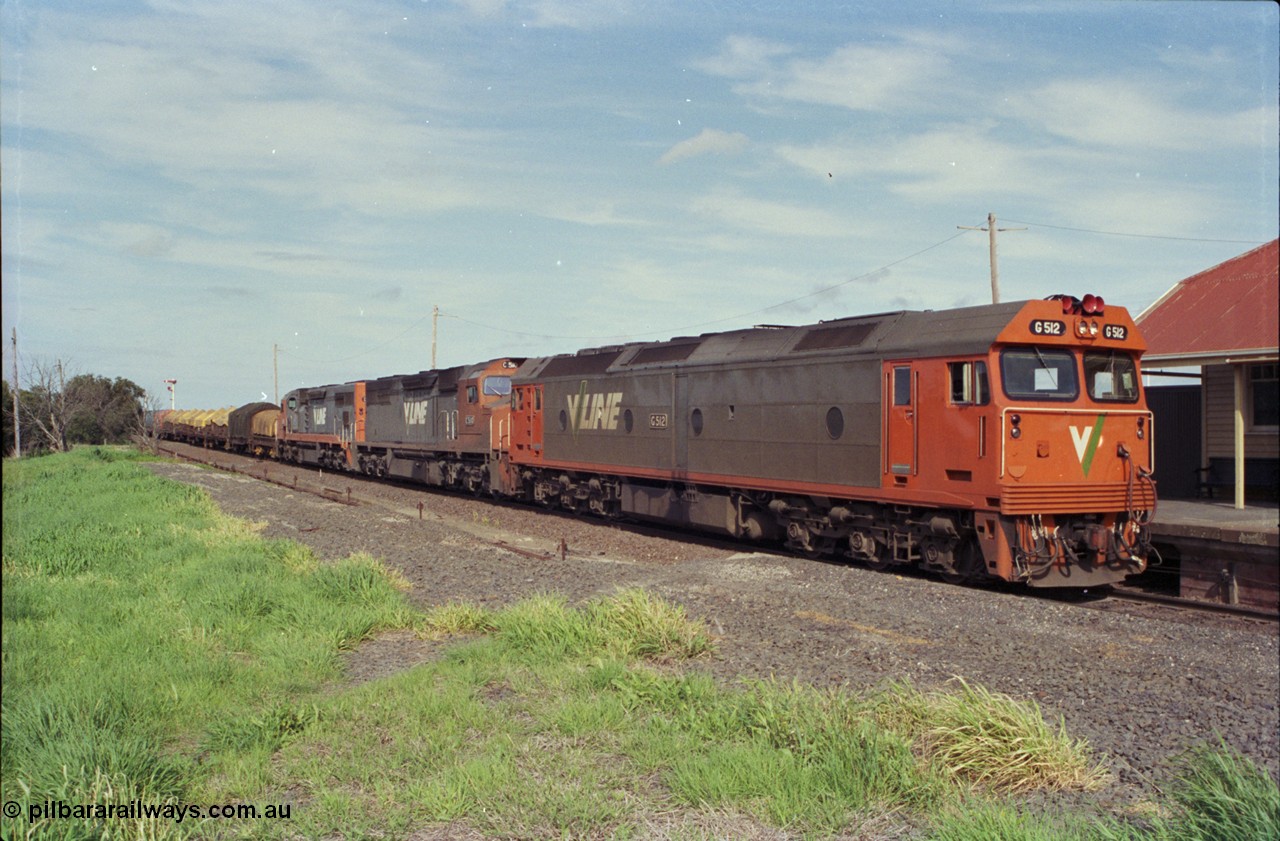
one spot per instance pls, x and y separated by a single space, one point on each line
187 186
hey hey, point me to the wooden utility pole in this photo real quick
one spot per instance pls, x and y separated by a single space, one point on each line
275 369
17 426
995 272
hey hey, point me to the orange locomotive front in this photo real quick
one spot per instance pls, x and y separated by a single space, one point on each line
1056 445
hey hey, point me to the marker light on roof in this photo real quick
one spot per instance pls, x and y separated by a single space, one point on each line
1092 305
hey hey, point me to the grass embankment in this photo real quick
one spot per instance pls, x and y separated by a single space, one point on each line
152 644
155 649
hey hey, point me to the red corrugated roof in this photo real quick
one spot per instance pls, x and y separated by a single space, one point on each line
1233 307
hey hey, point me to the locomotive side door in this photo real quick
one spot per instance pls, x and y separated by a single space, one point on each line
526 423
901 428
470 429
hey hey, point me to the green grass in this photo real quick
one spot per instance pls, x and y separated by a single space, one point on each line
1216 795
990 740
154 649
547 720
1219 795
149 641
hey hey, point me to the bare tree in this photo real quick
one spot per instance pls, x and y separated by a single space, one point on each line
45 405
143 430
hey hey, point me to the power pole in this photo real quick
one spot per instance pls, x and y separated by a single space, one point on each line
435 321
995 272
173 394
17 426
275 369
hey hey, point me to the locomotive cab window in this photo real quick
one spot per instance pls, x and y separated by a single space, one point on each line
969 383
1111 376
471 394
1033 373
497 386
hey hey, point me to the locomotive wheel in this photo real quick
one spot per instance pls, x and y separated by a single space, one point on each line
821 548
879 562
966 565
867 551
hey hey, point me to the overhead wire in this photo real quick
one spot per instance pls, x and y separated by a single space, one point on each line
738 317
658 332
1138 236
668 331
366 350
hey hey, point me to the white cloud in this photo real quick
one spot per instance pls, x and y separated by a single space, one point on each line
1110 113
960 161
580 14
860 77
483 8
743 57
708 142
770 217
204 106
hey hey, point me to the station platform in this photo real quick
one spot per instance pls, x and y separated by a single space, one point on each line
1220 553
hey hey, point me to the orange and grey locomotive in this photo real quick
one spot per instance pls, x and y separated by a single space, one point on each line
1008 441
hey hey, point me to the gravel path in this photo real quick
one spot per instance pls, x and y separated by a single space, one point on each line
1138 686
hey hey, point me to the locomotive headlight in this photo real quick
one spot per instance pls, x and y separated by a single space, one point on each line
1093 328
1142 422
1014 431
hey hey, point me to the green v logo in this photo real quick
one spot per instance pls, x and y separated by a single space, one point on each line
1087 441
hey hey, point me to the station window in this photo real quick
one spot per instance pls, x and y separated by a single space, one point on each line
1039 373
969 384
1111 376
1264 395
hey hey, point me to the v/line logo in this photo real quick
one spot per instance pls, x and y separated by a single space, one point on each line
416 412
597 410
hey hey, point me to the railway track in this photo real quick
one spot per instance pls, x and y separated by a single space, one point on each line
343 489
1129 594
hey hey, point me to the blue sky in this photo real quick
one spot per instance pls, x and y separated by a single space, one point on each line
187 184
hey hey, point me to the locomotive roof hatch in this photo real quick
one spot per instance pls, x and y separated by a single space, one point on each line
968 330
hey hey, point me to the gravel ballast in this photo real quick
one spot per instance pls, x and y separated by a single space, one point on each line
1140 685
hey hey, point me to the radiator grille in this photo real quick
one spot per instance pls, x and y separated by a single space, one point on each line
1083 499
